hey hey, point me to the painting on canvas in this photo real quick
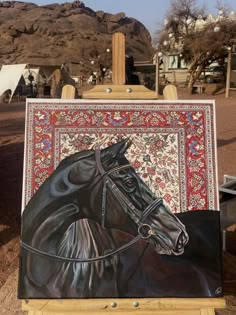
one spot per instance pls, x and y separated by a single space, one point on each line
120 200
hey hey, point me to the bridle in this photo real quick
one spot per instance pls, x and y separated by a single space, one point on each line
127 206
144 230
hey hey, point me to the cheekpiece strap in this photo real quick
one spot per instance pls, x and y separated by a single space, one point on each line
98 161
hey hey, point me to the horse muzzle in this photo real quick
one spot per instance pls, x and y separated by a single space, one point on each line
180 243
166 246
163 229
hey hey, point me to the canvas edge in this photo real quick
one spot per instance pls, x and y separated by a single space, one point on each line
216 153
125 101
25 156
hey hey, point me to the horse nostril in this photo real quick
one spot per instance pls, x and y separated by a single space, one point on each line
182 240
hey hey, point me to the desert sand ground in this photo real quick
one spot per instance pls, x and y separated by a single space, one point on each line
12 118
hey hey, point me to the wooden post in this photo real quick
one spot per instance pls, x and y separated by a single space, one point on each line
118 90
228 77
68 92
118 58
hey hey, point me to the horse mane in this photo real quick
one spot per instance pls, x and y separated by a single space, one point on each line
84 239
75 158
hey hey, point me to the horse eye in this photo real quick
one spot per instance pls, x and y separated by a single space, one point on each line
130 182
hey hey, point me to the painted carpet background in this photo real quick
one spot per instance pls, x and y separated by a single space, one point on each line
173 144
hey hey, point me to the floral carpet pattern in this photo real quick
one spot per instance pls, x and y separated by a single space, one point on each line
173 144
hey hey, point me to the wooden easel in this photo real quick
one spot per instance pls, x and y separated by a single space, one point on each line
118 90
139 306
162 306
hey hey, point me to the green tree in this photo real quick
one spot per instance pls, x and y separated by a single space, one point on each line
199 39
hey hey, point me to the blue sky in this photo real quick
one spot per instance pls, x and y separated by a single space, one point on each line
149 12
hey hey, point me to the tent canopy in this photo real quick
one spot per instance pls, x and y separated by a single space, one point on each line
9 77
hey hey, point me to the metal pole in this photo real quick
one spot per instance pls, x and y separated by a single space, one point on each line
228 72
157 74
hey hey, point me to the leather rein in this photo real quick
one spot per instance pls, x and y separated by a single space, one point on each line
144 230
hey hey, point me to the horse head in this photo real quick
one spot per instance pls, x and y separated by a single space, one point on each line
115 195
104 187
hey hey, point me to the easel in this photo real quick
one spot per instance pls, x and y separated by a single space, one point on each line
160 306
118 90
139 306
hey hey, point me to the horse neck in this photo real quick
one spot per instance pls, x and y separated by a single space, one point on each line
47 215
85 239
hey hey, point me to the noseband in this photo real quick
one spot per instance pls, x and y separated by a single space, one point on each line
144 230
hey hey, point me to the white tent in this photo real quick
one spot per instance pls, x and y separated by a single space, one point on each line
9 77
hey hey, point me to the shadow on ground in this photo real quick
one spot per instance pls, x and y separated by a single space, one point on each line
11 172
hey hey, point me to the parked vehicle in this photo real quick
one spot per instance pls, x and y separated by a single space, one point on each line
213 74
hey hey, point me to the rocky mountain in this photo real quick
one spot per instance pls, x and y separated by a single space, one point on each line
66 33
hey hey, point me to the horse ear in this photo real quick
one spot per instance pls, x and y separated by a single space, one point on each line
126 143
117 149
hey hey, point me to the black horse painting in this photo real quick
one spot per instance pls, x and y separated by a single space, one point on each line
94 229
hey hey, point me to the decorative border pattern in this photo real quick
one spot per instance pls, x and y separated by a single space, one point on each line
177 139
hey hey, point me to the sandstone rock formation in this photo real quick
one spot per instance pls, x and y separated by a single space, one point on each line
65 33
